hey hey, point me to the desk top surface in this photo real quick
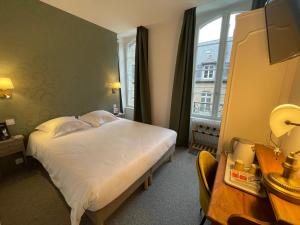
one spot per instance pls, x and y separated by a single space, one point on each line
227 200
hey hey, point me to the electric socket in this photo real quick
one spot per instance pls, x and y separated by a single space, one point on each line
10 122
19 161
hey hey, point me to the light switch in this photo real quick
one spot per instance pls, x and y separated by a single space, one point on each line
10 122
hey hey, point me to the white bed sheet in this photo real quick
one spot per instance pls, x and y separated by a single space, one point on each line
93 167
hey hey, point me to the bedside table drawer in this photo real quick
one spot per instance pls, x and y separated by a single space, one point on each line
8 152
17 145
11 146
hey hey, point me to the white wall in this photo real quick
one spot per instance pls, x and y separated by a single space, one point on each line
163 44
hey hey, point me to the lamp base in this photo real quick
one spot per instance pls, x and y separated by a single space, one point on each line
282 187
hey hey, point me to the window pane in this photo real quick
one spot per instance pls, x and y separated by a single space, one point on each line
226 62
206 61
130 73
211 31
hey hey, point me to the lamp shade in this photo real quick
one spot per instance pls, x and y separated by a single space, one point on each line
6 84
280 115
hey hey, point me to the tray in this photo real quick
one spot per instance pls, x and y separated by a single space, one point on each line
253 188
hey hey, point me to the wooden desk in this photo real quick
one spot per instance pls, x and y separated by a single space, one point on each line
227 200
285 212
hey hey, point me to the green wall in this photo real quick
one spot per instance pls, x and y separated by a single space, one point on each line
59 64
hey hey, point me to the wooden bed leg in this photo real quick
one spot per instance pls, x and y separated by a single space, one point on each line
150 179
146 183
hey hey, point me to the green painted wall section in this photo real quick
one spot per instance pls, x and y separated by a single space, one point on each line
59 64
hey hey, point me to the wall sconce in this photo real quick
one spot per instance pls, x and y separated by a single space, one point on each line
115 86
6 88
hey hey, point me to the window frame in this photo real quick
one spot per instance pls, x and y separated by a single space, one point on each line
210 16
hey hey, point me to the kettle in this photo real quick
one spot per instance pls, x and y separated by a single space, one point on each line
243 150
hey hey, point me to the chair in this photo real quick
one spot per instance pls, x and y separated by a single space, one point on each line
206 166
237 219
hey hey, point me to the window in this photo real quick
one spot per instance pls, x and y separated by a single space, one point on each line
212 57
208 71
130 67
205 101
207 52
204 105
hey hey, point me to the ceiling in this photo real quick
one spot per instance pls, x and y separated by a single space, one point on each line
123 15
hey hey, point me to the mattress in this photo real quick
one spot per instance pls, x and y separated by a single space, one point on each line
93 167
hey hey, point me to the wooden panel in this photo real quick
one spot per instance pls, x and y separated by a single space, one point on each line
226 200
284 211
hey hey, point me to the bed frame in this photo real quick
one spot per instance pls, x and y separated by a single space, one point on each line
100 216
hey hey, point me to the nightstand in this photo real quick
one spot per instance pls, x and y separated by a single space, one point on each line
13 145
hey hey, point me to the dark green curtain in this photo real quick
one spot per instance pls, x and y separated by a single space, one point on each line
256 4
142 105
182 87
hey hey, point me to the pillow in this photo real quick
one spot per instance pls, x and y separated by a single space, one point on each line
62 125
97 118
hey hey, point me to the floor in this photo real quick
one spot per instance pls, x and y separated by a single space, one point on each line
28 198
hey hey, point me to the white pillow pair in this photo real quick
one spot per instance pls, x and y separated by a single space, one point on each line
64 125
97 118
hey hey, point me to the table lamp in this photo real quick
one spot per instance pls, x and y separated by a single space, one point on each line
283 120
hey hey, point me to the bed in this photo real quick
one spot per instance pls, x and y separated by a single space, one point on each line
98 168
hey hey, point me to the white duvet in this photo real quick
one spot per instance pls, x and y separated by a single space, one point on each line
93 167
